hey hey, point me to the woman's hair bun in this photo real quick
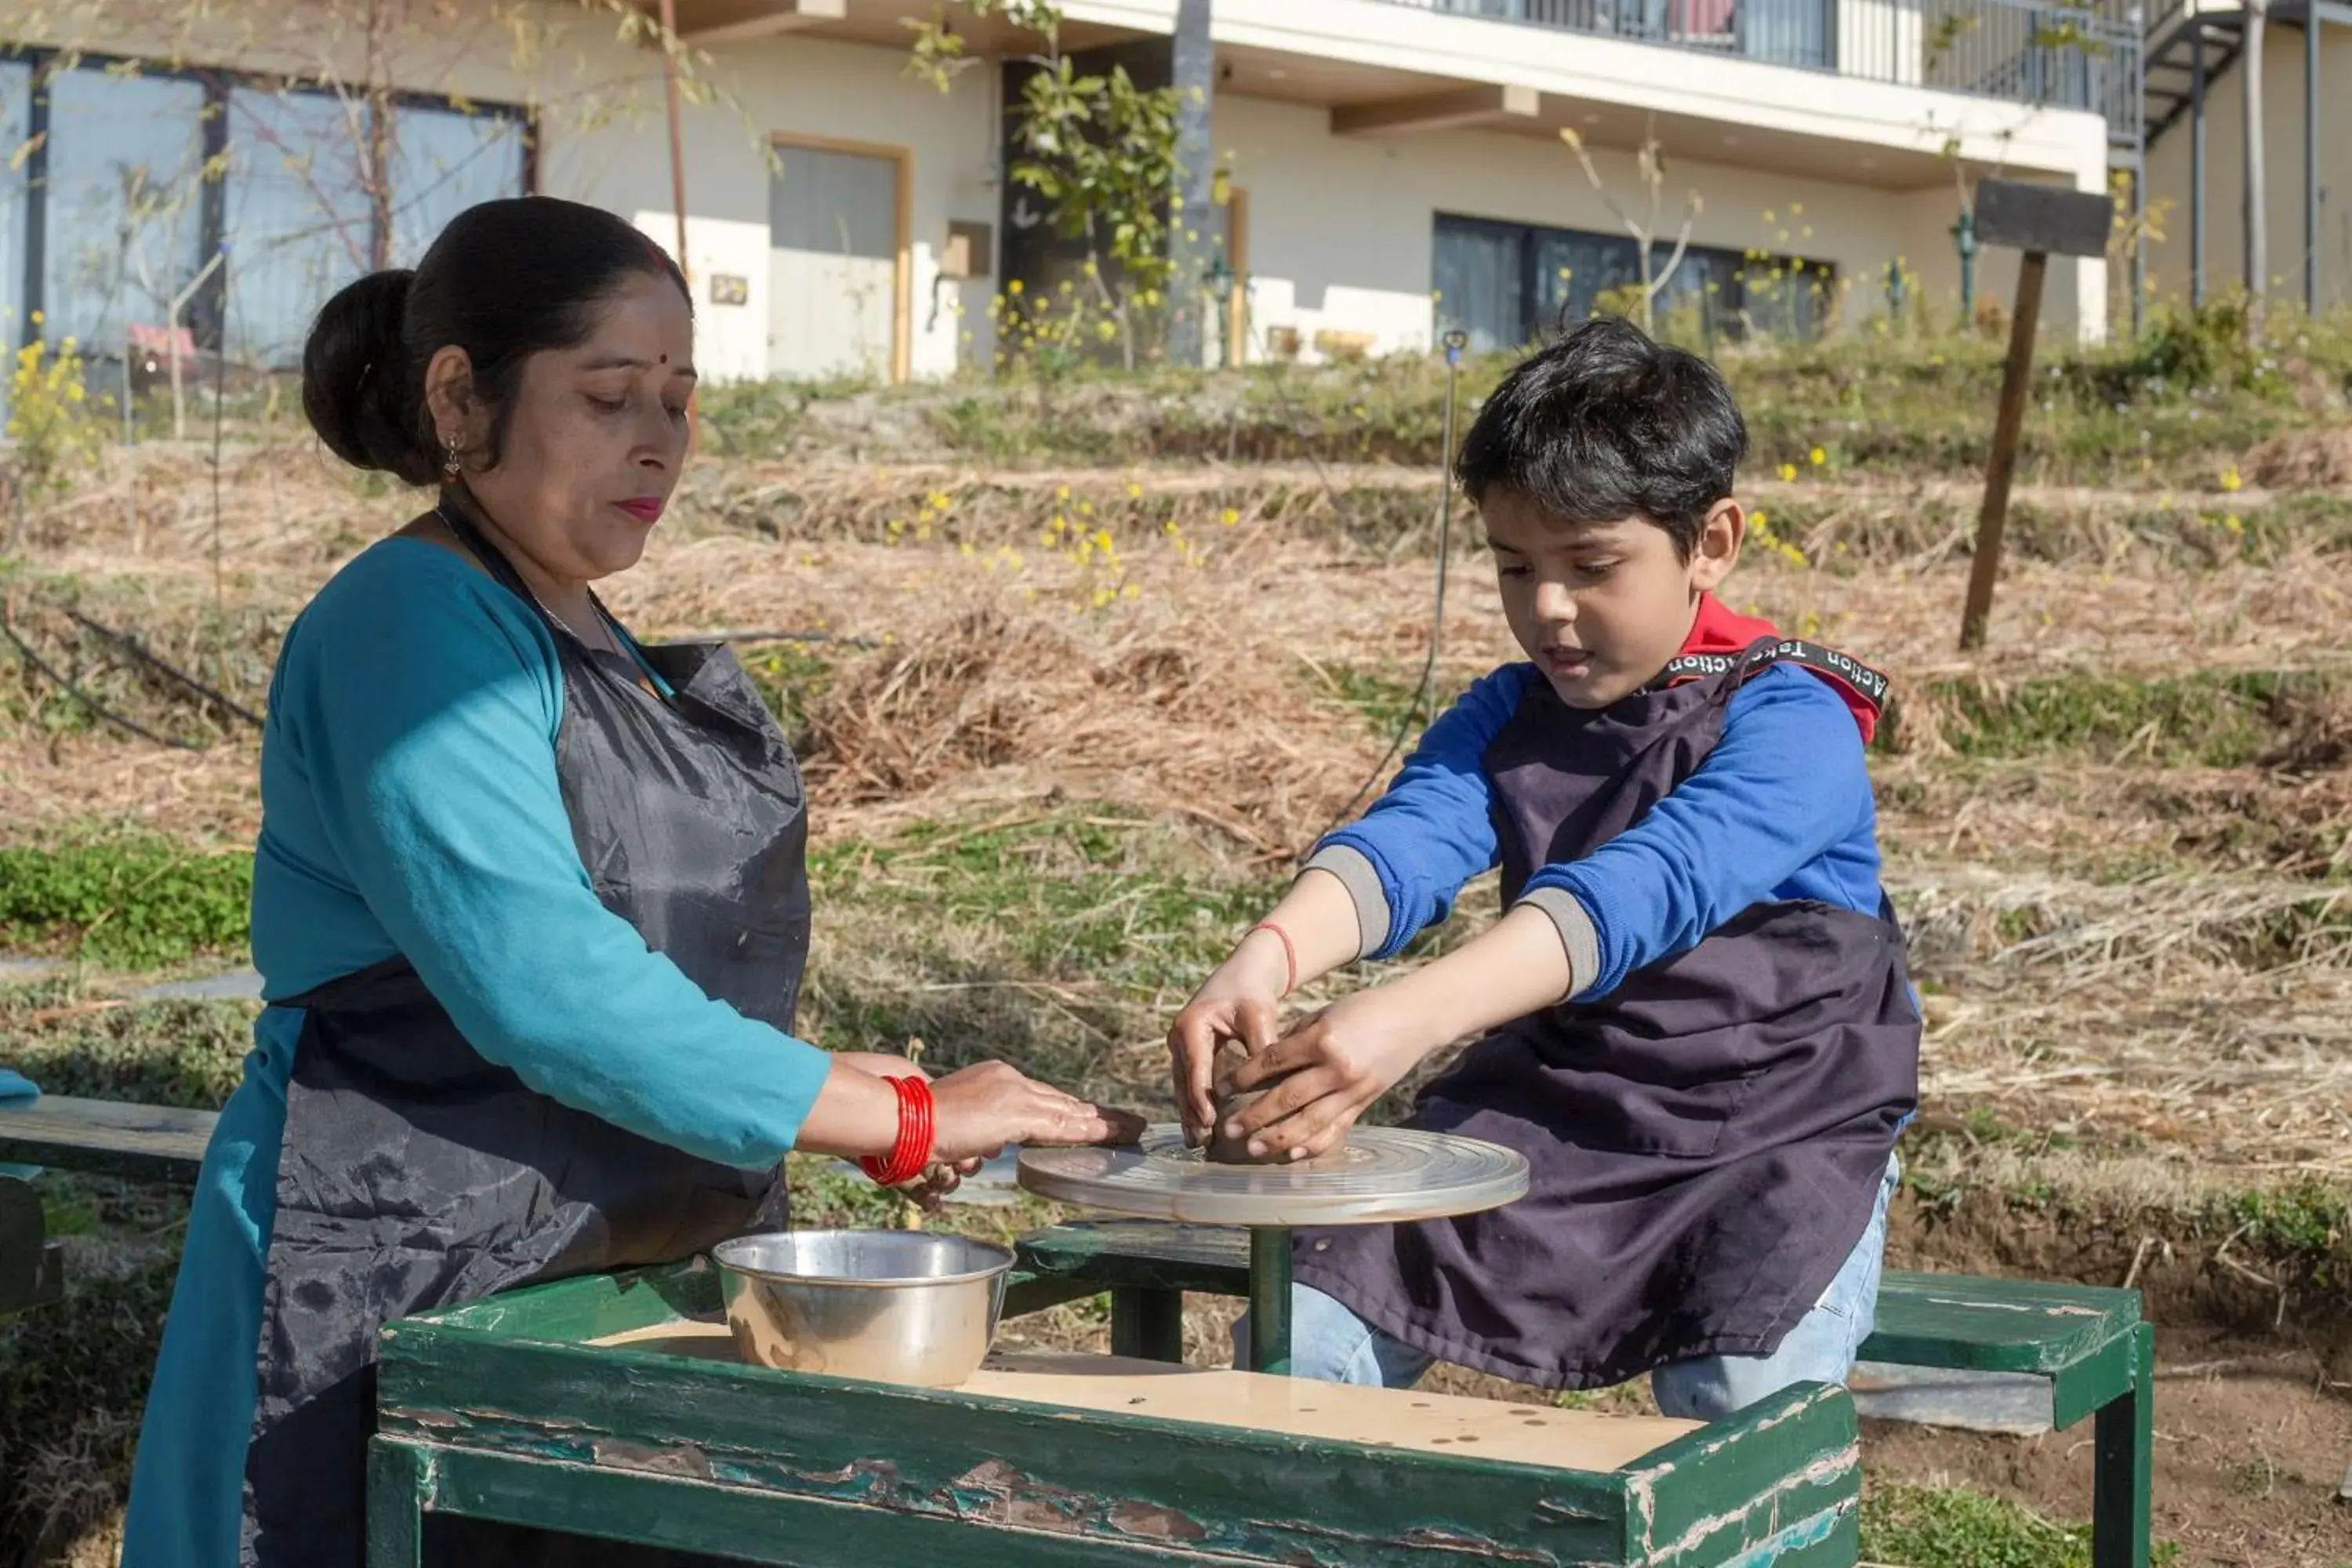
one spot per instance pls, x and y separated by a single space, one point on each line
357 386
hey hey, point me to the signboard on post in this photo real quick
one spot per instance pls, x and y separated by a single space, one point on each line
2042 221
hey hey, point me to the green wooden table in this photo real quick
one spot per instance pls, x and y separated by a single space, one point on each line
32 1270
2089 1341
512 1410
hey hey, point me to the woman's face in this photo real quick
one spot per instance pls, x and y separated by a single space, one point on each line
595 437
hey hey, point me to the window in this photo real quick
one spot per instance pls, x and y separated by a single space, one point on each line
1508 284
443 163
15 187
299 221
122 203
146 174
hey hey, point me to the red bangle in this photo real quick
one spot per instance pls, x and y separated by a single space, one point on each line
910 1155
1290 954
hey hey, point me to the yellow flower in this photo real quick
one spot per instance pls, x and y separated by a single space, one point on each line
1045 539
1129 591
2234 523
1818 456
1102 538
2231 480
1061 492
1014 288
1788 473
1229 517
1134 492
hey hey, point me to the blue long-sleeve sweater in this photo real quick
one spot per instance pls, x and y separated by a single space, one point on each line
1781 810
409 805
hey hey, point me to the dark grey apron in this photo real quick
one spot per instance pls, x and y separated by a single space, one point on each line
417 1174
1706 1142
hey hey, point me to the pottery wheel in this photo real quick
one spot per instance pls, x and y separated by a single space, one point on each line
1381 1175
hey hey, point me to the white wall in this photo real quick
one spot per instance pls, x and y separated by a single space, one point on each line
1342 229
604 137
817 89
2225 171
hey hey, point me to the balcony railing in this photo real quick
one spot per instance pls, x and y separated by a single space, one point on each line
2051 55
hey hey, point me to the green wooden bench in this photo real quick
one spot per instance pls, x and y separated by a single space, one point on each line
31 1265
111 1137
2089 1341
612 1406
115 1137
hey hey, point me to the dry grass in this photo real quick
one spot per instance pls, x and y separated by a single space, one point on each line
2303 459
2113 938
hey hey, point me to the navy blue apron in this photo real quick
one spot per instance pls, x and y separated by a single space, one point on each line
1706 1142
415 1175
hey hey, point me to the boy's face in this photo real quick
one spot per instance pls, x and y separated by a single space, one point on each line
1602 607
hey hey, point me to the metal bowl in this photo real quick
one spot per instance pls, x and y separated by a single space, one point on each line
891 1305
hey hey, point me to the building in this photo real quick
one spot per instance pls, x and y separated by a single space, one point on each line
1395 167
2196 149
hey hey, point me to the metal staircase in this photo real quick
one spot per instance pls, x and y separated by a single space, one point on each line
2169 54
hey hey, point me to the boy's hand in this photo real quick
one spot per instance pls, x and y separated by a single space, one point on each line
1237 1003
1331 1069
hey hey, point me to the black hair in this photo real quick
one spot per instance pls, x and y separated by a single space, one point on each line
1604 424
505 281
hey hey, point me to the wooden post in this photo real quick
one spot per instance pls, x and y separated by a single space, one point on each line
2016 382
2041 221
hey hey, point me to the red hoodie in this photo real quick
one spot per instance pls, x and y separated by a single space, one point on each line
1715 632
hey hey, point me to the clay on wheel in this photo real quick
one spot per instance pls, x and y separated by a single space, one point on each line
1226 1150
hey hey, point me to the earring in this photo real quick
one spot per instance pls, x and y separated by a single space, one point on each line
451 466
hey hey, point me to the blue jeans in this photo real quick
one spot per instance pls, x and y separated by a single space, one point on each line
1330 1342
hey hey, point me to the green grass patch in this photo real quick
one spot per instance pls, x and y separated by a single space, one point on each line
1071 897
1060 943
129 900
2217 718
1382 699
1927 1527
72 1041
1905 1526
2177 406
2310 1222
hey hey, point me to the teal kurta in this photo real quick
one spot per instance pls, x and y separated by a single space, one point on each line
410 806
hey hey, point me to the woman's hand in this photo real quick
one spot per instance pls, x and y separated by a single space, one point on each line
1236 1002
1324 1074
881 1064
978 1110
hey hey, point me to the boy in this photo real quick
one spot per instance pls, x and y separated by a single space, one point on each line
1697 1020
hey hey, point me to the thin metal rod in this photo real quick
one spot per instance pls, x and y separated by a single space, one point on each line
2196 164
1269 1330
2311 25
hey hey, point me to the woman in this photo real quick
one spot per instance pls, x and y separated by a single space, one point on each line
529 899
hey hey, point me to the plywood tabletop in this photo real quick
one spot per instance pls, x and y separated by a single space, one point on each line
1378 1417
